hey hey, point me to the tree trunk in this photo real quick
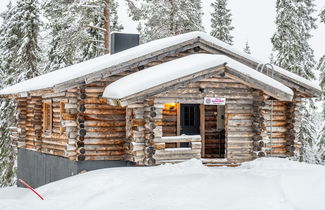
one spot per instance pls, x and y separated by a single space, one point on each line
106 26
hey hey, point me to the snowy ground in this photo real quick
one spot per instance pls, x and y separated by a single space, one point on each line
262 184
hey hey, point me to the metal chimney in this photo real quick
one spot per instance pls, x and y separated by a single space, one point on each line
123 41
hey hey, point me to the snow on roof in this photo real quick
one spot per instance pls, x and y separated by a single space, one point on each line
166 72
91 66
98 64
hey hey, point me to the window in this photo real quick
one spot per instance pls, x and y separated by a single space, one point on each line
47 116
190 119
180 119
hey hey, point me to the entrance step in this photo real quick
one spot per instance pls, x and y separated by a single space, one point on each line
219 162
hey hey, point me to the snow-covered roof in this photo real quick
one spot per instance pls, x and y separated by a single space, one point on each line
158 76
106 65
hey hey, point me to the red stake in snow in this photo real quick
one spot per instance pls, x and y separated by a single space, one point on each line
24 183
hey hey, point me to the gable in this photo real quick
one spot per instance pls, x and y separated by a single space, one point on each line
171 75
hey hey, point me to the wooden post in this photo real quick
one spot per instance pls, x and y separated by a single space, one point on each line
202 128
178 106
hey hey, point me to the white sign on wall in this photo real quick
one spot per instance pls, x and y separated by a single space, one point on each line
214 101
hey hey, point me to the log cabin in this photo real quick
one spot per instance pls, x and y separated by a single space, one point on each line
166 101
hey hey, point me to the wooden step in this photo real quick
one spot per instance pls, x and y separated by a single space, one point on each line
222 164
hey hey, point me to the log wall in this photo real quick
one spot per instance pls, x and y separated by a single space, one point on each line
101 127
86 128
169 121
238 109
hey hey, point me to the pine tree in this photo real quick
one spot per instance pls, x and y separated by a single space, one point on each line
164 18
247 48
221 21
76 28
19 58
292 51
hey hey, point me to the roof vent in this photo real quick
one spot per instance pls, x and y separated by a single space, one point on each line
122 41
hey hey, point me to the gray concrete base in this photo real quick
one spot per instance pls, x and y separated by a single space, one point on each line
38 169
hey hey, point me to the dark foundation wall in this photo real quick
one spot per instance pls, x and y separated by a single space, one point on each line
38 169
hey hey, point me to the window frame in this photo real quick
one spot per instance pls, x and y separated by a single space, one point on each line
47 116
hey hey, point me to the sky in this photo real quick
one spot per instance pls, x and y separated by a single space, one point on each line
253 21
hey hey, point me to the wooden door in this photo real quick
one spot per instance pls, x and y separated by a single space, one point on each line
214 132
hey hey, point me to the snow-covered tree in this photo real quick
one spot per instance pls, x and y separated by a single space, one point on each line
77 29
19 58
247 48
7 154
321 68
292 51
95 43
322 15
308 135
164 18
221 21
321 143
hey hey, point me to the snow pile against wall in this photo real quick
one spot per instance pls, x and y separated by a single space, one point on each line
266 184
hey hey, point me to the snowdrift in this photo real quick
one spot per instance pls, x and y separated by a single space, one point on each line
267 183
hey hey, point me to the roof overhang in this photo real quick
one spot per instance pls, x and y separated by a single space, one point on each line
141 85
104 66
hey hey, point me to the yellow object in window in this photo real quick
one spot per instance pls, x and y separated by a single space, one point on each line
170 106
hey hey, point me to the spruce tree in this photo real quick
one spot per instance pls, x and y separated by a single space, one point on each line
221 21
76 30
7 153
322 16
321 68
292 51
247 48
19 58
95 43
164 18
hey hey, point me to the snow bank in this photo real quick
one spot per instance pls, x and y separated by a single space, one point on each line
266 184
169 71
83 69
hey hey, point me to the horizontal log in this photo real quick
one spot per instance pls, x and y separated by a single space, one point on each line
104 129
232 116
117 157
240 134
104 153
172 155
103 147
105 135
103 141
104 117
172 139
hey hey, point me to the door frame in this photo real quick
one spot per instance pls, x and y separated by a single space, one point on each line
202 128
